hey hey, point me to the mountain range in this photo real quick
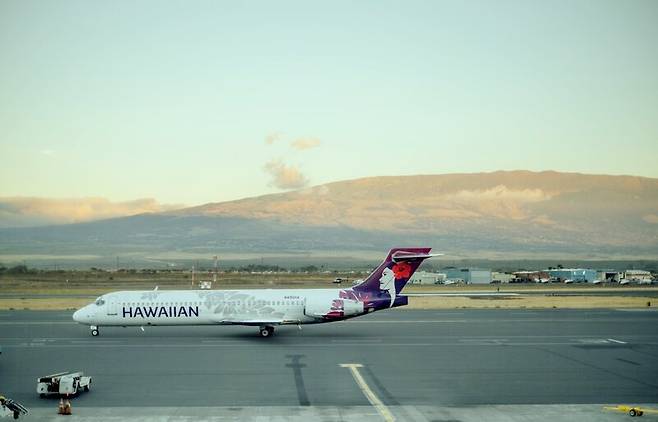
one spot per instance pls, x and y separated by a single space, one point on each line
521 213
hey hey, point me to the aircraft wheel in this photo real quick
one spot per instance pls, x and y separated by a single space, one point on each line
94 331
266 331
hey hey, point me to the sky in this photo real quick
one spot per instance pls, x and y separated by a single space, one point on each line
189 102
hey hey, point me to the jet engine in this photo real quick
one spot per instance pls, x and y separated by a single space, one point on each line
331 307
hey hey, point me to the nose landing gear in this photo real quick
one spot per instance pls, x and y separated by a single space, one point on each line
94 330
266 331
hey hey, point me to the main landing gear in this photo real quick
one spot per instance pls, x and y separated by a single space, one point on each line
266 331
94 330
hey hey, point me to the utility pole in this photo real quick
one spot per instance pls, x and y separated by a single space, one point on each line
214 276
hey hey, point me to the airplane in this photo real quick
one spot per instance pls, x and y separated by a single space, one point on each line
263 308
453 281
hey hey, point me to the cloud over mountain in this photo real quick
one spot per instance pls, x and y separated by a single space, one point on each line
285 176
33 211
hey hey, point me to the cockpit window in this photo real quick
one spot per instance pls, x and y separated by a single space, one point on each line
100 301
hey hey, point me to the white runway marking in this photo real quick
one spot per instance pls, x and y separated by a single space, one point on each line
484 341
372 398
637 309
404 321
592 341
616 341
38 323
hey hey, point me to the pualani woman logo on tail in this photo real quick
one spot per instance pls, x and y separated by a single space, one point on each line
401 270
387 283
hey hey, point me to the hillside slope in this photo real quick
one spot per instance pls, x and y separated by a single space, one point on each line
542 207
517 213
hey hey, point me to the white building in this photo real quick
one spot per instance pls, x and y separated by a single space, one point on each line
638 276
497 277
424 277
468 275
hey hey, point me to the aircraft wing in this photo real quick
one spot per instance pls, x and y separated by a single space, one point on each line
254 322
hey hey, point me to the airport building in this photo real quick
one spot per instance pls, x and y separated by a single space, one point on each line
468 275
638 276
424 277
609 276
531 277
577 275
497 277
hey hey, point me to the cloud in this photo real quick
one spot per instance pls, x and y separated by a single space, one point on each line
284 176
32 211
302 144
272 138
48 152
502 193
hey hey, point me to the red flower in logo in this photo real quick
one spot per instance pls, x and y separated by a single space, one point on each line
401 270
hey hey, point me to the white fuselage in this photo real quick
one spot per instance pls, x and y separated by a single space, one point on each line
206 307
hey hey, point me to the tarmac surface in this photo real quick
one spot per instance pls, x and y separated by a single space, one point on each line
402 365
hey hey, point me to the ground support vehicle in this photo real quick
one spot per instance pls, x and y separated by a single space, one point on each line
63 384
11 408
632 410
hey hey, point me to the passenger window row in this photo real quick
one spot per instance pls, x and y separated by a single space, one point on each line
230 303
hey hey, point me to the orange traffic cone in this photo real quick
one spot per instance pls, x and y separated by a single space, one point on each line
64 407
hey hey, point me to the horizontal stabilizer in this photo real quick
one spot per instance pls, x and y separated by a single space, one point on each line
408 256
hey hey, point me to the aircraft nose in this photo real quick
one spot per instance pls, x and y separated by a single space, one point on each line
81 315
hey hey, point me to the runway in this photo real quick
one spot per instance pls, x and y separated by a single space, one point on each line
418 364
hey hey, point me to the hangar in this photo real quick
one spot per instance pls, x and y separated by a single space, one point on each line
468 275
578 275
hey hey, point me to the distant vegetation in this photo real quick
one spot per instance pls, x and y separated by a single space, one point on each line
17 269
184 269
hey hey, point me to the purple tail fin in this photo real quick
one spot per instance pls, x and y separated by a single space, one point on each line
397 269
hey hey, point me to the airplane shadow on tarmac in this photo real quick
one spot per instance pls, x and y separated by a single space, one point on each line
247 333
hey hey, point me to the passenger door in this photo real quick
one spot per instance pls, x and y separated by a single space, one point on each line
111 308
